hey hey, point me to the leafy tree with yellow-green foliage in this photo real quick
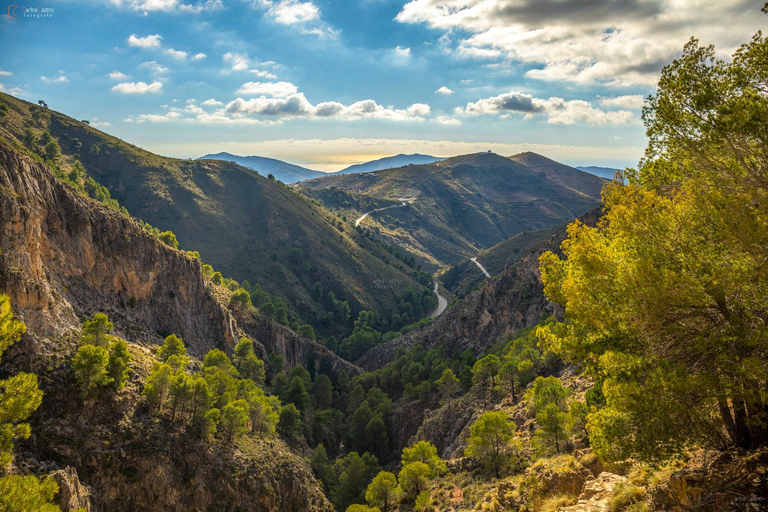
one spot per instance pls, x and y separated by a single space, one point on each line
90 365
490 440
665 298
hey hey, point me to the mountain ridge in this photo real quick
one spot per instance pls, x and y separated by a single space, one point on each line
283 171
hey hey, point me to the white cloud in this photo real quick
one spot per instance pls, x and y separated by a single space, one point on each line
448 121
147 42
6 73
116 75
557 110
633 101
274 89
403 52
237 61
95 121
297 105
61 79
212 102
175 54
13 91
199 56
169 5
263 74
155 67
614 43
137 87
291 12
156 118
190 100
444 90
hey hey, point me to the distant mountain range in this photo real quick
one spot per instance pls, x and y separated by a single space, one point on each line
389 162
603 172
283 171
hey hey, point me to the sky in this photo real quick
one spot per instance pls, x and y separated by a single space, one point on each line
329 83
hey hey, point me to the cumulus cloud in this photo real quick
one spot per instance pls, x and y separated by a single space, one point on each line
169 5
632 101
444 90
14 91
116 75
617 43
274 89
157 118
155 67
557 110
403 52
137 87
6 73
147 42
61 79
448 121
176 54
212 102
304 15
95 121
297 105
199 56
236 61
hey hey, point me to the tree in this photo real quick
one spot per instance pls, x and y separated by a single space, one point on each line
297 393
240 299
172 346
376 437
234 418
354 472
484 370
181 393
546 390
200 398
52 150
489 440
413 478
247 363
275 364
289 424
665 297
552 425
448 384
263 413
356 507
307 331
95 331
25 493
119 359
425 452
323 392
30 140
158 384
169 239
90 365
382 492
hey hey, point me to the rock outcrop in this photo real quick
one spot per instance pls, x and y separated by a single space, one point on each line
597 493
72 494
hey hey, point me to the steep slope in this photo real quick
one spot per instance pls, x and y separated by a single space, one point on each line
283 171
467 203
389 162
246 226
507 303
64 257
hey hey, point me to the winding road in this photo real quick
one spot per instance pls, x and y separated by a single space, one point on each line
405 203
442 303
482 268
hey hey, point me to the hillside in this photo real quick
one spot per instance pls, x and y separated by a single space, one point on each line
467 203
247 226
65 257
603 172
389 162
283 171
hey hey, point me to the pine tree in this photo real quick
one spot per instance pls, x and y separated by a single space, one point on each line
90 365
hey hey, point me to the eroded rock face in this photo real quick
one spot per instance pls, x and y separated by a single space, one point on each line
72 494
596 494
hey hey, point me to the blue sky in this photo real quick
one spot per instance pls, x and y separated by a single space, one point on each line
329 83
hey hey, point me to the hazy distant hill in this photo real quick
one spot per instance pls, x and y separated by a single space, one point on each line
467 203
389 162
283 171
603 172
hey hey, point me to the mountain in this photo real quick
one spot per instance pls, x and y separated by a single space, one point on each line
64 257
283 171
246 226
603 172
464 204
389 162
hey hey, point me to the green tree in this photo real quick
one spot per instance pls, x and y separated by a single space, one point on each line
489 440
426 452
234 418
323 392
27 493
158 384
448 384
90 365
382 492
307 331
247 363
173 346
119 359
356 507
376 436
298 394
240 299
95 331
484 370
180 393
552 423
354 472
289 424
413 478
52 150
169 239
665 297
263 413
200 399
546 390
30 140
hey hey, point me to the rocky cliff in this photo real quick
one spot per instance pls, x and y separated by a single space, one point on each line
65 257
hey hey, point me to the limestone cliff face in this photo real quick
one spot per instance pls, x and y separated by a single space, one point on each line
509 302
64 258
